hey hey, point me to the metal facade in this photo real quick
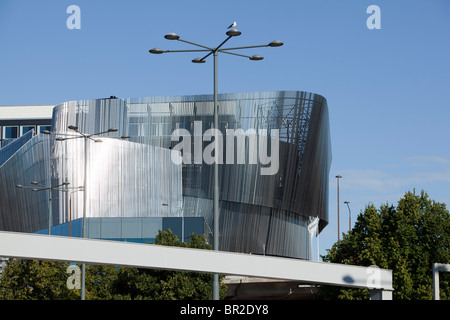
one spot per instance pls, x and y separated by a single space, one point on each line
137 178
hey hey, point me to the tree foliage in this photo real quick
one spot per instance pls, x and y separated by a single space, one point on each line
137 284
47 280
407 239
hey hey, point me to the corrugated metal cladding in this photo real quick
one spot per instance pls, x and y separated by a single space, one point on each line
271 187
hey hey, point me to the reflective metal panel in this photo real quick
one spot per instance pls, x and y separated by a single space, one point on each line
23 209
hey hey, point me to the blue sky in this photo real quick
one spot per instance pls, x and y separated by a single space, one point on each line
387 89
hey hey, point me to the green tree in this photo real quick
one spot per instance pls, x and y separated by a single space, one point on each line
407 239
34 280
99 282
137 284
47 280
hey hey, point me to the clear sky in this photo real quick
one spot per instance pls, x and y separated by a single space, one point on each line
387 89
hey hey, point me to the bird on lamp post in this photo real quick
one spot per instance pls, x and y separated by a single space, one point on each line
232 25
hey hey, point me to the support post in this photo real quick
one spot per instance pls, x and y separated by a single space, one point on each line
215 285
380 294
436 268
83 230
50 215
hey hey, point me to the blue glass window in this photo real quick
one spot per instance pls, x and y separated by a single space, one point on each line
25 129
11 132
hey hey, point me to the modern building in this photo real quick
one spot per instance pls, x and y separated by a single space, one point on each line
15 121
274 160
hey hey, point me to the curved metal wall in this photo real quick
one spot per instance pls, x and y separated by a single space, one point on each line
22 209
264 214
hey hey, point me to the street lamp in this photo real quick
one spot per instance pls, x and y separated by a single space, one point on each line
86 138
349 216
40 187
214 51
338 177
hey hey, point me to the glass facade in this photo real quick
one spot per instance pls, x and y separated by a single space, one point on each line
138 230
274 159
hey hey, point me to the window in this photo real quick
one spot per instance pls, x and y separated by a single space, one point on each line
10 132
25 129
42 128
134 129
144 129
164 127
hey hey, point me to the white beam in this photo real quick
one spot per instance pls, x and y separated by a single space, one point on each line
44 247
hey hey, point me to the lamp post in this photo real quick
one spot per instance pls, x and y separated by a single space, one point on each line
349 216
215 51
338 177
70 209
40 187
86 138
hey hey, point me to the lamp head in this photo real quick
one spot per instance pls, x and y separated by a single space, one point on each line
73 128
233 33
156 51
172 36
198 60
275 43
256 57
